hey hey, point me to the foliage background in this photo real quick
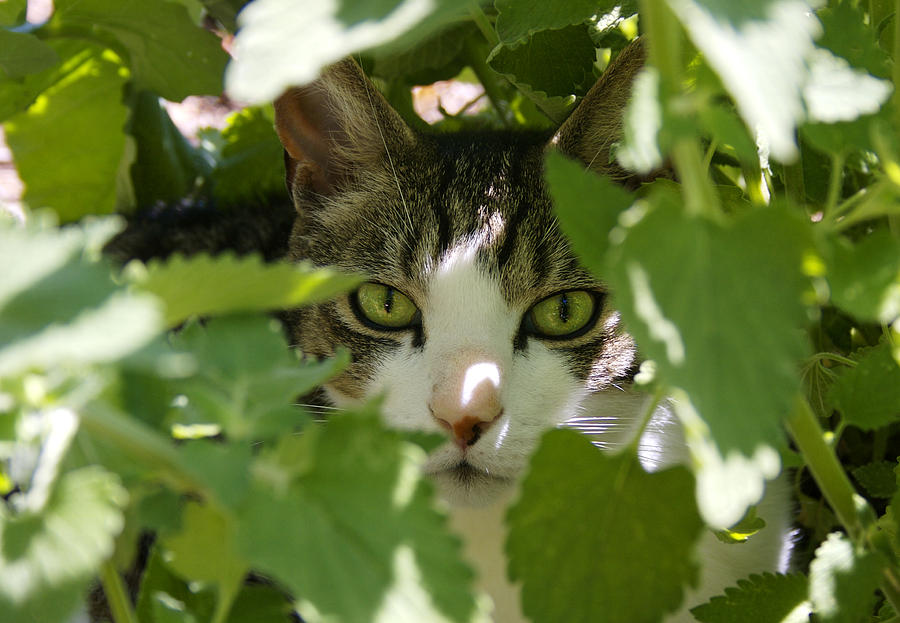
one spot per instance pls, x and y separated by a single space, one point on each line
764 288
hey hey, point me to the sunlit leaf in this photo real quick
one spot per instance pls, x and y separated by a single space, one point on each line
48 560
167 53
61 308
842 581
83 107
203 285
759 50
286 42
362 523
690 291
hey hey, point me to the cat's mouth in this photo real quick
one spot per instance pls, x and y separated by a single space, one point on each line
467 484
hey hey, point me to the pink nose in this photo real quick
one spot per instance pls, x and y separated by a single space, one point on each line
467 403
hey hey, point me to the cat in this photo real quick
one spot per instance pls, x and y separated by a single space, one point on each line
478 321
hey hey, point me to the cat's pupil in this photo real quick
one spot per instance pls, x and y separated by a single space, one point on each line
388 299
564 308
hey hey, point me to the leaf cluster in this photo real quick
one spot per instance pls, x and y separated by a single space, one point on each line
763 287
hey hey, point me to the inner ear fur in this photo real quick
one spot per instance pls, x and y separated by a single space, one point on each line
335 127
596 123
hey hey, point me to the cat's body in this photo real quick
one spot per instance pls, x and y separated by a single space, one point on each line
458 237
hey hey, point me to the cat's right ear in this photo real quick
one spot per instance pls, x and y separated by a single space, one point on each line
335 128
596 123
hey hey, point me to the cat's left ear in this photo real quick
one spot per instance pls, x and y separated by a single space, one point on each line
336 129
596 123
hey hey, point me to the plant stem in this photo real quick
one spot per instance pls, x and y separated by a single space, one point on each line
483 23
849 507
835 183
664 32
116 596
825 468
489 79
794 184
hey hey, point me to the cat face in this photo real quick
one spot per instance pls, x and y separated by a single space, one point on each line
478 322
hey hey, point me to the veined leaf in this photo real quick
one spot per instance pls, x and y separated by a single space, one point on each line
518 20
868 395
362 523
167 53
82 107
204 285
247 377
614 539
691 293
566 58
48 560
766 598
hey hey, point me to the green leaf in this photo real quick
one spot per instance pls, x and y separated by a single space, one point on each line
22 53
362 524
868 395
260 604
166 167
865 278
204 285
595 533
587 206
48 560
12 12
248 378
758 49
518 20
842 581
720 310
553 62
286 42
439 57
766 598
877 478
204 551
82 107
58 308
164 596
224 468
847 34
250 162
166 51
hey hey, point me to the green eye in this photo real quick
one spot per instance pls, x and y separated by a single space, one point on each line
563 314
386 307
